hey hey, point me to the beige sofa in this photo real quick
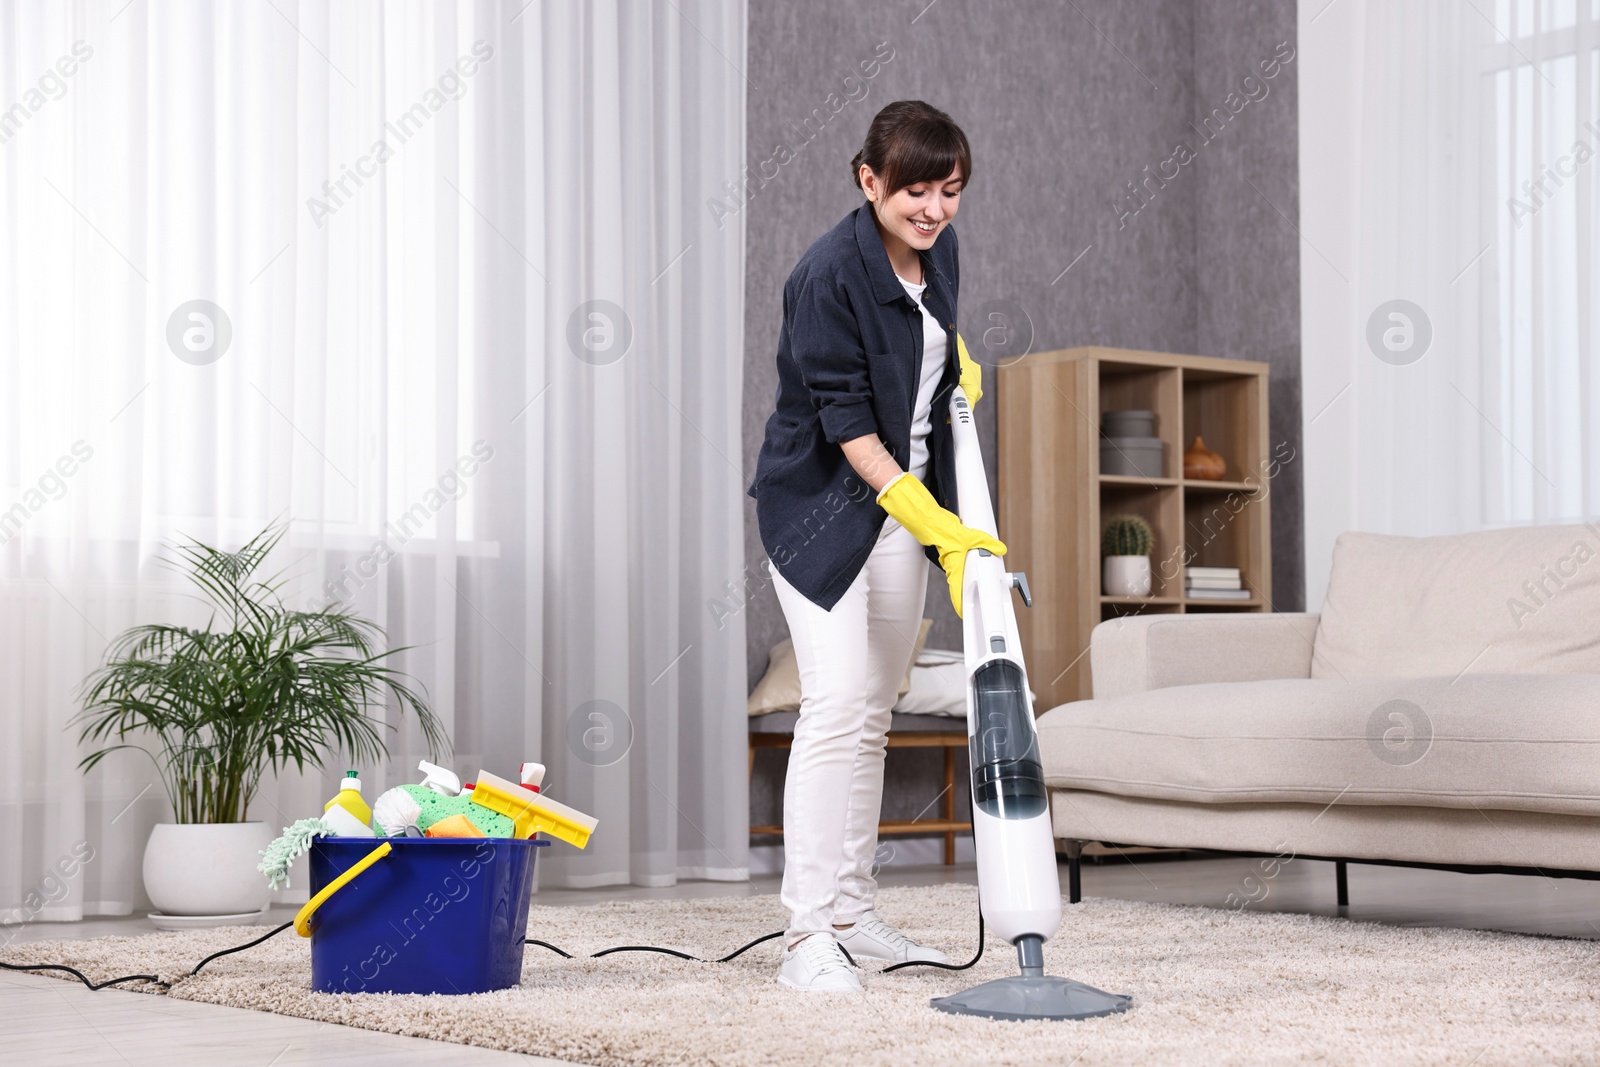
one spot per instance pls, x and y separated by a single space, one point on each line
1443 709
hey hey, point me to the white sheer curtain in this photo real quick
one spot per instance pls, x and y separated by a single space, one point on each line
1449 153
406 214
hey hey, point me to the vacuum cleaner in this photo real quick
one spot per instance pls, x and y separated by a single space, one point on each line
1019 890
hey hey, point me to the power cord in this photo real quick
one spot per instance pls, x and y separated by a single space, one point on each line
241 948
97 986
93 987
654 948
762 940
945 966
564 954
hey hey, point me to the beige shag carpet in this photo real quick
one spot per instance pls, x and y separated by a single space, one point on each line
1209 986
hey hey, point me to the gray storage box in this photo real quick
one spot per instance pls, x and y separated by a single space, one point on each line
1132 456
1137 422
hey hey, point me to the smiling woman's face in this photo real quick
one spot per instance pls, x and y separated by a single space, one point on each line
917 213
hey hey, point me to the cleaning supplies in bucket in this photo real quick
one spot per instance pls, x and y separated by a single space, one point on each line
417 914
495 807
440 779
395 810
349 798
443 914
342 824
294 842
532 812
415 810
422 807
436 915
454 826
347 814
532 776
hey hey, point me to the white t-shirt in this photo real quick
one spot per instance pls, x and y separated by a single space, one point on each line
934 344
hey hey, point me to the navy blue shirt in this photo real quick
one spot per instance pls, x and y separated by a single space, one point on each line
849 360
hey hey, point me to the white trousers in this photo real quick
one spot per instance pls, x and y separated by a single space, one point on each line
851 660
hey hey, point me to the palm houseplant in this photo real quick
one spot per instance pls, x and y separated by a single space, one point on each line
1125 543
258 688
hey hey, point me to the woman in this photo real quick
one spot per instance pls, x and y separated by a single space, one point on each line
855 476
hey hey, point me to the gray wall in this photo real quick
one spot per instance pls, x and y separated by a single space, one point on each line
1247 249
1064 105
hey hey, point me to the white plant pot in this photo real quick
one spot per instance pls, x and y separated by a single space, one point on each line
206 868
1125 575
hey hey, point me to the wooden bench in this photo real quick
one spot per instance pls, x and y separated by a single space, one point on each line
776 730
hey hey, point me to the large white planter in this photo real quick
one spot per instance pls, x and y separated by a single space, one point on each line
1126 575
206 868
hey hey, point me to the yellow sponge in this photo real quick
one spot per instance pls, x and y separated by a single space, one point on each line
533 812
454 826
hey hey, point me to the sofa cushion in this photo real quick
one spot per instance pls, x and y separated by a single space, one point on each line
1496 601
1512 742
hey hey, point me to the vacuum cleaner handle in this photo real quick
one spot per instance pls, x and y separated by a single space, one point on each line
986 582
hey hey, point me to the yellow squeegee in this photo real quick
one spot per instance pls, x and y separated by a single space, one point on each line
532 813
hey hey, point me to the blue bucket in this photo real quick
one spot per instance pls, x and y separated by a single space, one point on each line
436 915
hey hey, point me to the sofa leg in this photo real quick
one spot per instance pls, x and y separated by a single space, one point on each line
1074 871
1342 883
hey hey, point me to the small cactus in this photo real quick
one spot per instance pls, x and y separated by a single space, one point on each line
1126 535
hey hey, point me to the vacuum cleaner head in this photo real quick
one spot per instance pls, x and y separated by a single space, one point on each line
1021 996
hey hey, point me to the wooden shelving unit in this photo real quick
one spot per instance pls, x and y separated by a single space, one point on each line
1052 497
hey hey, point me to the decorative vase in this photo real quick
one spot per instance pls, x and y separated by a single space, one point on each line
1202 464
207 869
1125 575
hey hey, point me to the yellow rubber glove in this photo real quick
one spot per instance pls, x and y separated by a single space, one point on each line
908 500
971 373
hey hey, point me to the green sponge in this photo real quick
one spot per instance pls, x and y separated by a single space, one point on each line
436 806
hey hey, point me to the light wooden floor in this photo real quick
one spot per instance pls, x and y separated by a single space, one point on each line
45 1020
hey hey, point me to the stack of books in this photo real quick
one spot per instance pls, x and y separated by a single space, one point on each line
1213 583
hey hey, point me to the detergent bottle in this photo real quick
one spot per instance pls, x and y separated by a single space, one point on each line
349 799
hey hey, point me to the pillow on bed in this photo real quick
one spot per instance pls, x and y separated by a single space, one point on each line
779 688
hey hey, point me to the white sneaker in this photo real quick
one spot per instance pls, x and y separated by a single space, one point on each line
817 966
876 939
